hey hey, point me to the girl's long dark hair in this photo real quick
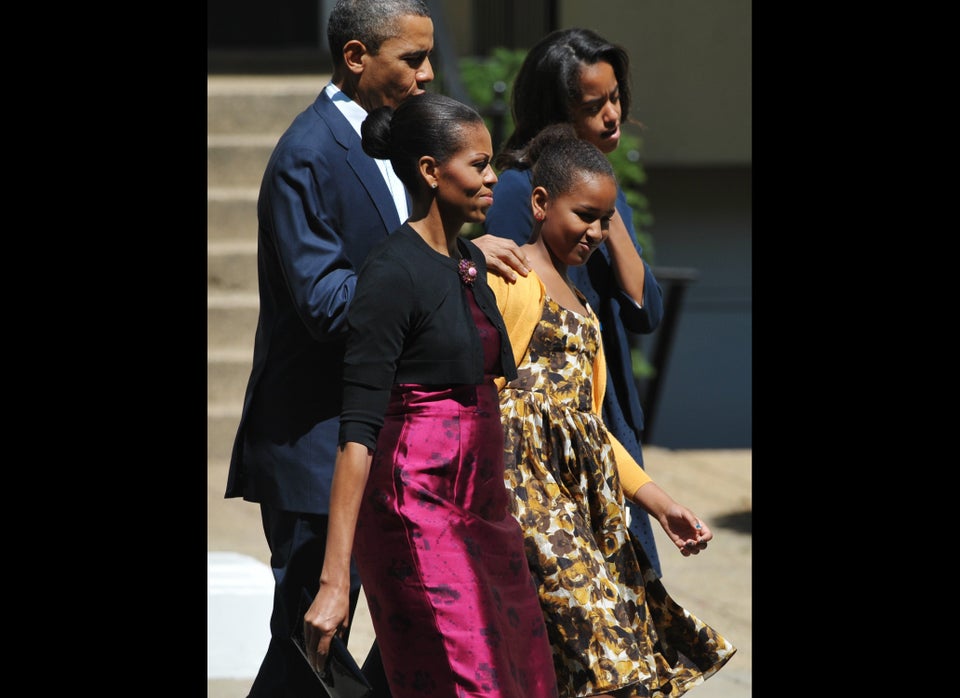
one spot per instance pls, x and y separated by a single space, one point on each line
548 84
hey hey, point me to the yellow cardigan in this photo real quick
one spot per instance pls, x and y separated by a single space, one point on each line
521 304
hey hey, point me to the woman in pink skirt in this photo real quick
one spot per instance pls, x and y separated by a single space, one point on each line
419 479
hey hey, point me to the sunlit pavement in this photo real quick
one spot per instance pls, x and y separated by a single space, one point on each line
715 585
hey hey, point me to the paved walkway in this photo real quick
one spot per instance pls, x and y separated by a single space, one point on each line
715 585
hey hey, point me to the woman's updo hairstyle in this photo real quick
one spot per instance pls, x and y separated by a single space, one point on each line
425 124
560 159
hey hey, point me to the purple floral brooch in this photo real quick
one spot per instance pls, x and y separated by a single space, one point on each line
467 271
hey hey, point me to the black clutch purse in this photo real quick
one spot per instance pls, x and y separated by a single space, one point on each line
341 677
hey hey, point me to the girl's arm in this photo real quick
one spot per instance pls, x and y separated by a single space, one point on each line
687 532
681 525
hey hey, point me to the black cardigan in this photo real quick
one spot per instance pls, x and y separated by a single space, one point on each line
410 323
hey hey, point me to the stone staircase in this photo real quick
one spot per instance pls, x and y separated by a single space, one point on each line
245 117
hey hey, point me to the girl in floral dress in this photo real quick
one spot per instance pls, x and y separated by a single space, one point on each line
613 628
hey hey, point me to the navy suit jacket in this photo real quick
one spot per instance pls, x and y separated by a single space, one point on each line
323 205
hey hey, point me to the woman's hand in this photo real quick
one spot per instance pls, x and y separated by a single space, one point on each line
328 613
503 255
330 610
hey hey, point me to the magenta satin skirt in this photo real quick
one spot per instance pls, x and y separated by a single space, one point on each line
451 598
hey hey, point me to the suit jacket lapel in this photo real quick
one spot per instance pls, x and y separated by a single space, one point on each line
363 166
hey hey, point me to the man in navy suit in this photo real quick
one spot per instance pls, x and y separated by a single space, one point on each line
323 205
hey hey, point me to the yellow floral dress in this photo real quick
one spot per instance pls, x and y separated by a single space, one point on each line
611 624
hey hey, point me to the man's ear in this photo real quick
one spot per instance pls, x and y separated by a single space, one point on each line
353 53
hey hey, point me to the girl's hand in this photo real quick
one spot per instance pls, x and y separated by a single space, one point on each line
687 532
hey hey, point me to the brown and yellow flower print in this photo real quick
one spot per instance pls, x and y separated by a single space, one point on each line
612 626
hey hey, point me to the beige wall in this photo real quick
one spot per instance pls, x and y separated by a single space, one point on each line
691 71
457 16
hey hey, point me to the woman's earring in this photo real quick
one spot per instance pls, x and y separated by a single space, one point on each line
538 215
433 186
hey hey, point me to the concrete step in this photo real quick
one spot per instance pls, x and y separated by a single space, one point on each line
222 422
232 267
227 375
245 117
238 160
232 321
232 213
258 104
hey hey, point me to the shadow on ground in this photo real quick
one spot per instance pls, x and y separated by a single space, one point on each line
740 521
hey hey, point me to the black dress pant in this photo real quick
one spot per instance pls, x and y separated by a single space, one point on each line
297 543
